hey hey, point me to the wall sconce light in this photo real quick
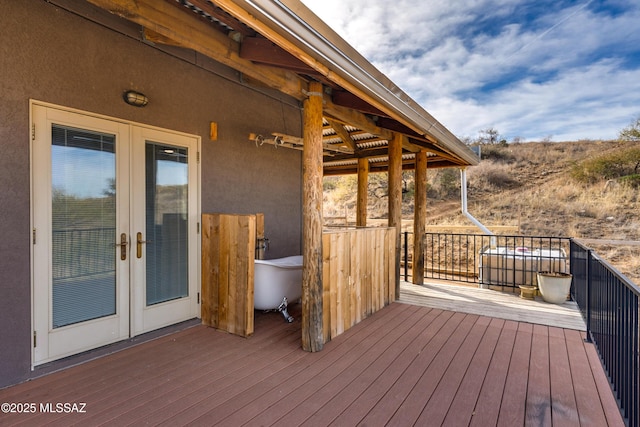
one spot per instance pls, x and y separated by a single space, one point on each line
134 98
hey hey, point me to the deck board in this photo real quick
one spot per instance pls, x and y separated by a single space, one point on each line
313 380
177 381
584 385
610 406
339 394
564 411
488 404
409 411
344 372
538 409
436 409
401 389
197 397
464 402
514 398
361 406
405 365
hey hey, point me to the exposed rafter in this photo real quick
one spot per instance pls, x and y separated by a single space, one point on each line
354 118
262 51
224 18
343 134
349 100
379 164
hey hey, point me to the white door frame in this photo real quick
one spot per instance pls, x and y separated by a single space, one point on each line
50 344
146 318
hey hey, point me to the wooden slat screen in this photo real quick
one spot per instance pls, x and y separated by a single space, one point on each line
228 248
358 276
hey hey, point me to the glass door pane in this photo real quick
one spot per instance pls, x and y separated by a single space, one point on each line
166 214
83 225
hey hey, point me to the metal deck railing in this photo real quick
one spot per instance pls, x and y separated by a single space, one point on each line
490 261
609 304
607 299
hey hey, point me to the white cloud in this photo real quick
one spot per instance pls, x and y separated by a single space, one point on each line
575 106
474 64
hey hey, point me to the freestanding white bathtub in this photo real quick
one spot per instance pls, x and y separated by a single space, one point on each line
276 279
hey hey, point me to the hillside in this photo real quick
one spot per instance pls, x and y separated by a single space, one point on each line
574 189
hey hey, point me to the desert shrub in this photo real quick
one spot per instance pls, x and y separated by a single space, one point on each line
579 172
492 176
632 181
497 153
448 182
608 166
499 179
577 149
329 183
344 188
409 188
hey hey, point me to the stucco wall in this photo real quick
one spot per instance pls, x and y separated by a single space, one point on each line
50 54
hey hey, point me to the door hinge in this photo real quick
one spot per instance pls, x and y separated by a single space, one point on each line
34 339
33 131
198 297
198 156
34 236
197 228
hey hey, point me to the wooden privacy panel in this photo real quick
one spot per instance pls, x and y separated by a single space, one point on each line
228 247
358 276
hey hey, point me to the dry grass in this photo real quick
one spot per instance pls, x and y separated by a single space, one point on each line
530 186
626 259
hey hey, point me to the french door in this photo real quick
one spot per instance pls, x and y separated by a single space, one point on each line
115 246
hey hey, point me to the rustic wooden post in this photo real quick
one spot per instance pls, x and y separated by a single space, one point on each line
419 217
363 184
395 198
312 332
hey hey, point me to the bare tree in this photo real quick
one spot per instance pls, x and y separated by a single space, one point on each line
631 132
466 140
489 136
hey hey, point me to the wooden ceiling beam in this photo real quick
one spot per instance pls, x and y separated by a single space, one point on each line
349 100
396 126
263 51
382 166
375 167
366 153
165 19
342 133
157 38
384 128
353 118
431 148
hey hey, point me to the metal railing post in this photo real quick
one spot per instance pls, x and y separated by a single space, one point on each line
406 256
588 296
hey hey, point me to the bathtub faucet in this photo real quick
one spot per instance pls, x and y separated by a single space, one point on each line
262 245
282 308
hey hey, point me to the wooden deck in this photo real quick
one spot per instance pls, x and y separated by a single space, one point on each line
486 302
405 365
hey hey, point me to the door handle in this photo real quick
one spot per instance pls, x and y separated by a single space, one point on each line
123 246
139 243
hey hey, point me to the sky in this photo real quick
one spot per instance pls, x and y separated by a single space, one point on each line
531 69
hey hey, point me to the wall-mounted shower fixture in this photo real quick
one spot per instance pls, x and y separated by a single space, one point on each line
296 143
